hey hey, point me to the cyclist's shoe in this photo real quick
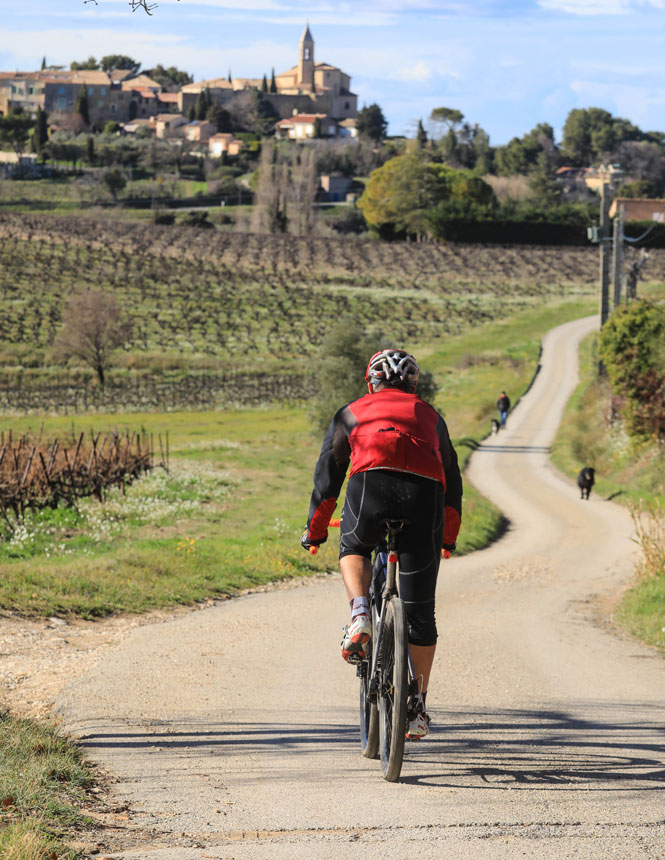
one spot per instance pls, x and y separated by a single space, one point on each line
356 636
418 727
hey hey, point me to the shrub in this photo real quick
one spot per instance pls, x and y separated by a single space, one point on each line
632 347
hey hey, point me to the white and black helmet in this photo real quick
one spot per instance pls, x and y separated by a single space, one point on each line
393 367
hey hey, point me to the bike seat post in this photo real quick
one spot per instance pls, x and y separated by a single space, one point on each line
393 528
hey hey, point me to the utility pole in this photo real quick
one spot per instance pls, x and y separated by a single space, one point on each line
605 242
617 255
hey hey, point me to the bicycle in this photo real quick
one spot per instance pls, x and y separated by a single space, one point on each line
387 677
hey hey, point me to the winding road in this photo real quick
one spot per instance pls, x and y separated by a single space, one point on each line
232 731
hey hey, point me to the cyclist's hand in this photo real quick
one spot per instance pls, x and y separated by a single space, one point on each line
447 550
306 542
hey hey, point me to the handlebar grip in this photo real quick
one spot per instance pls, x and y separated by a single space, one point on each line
313 550
445 553
335 524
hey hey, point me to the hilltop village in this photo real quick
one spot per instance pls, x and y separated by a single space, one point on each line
311 99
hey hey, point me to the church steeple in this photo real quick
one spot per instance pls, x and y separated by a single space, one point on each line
306 60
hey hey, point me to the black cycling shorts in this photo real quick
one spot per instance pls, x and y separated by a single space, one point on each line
377 495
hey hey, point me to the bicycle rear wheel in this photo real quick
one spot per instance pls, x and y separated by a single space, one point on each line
394 689
369 712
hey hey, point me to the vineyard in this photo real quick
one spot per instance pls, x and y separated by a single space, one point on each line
36 474
258 301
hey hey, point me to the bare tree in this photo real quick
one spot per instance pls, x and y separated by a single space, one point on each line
286 190
269 214
301 191
93 327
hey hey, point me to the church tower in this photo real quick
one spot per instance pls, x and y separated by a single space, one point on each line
306 60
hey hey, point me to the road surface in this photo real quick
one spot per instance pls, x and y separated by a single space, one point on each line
232 731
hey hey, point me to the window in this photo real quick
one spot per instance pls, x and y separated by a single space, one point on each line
346 105
100 103
113 109
307 52
102 91
62 91
91 90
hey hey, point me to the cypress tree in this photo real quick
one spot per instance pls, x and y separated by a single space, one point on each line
421 135
40 134
264 85
43 63
90 150
273 82
81 105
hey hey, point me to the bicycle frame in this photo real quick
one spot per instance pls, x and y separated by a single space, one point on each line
390 589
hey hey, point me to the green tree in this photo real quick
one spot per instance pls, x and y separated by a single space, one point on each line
90 150
81 105
521 154
632 347
421 135
220 117
191 112
273 82
133 109
169 78
115 181
90 64
317 128
15 131
593 134
371 123
264 84
40 132
119 61
203 103
445 120
400 196
43 63
543 185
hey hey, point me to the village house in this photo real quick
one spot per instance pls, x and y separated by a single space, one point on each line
223 143
639 208
305 126
168 125
199 131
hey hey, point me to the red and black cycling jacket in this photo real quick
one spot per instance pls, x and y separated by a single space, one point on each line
390 429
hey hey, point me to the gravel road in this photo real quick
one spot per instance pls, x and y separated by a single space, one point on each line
232 731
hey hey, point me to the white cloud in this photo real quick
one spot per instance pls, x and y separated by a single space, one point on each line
150 48
599 7
418 72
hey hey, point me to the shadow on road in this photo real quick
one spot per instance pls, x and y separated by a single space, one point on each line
614 747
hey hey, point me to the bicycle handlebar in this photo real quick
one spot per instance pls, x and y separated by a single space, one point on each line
332 524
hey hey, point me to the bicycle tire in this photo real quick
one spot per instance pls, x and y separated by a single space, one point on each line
369 712
394 689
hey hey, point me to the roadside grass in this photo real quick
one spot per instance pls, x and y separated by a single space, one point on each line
642 610
43 782
629 471
229 515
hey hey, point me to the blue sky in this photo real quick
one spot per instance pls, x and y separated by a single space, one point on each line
506 64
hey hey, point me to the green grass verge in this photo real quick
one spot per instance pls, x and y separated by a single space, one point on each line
628 471
43 779
230 514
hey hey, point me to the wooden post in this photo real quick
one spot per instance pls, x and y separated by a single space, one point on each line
617 256
605 250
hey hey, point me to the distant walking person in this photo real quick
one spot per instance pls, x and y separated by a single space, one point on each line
503 405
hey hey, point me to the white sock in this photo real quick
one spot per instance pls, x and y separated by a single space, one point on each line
359 606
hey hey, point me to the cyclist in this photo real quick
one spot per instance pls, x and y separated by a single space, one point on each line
403 466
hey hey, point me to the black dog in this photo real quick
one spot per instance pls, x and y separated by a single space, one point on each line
585 481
